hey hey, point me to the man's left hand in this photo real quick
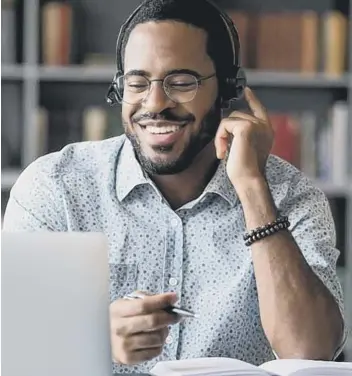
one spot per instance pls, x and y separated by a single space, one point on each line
252 138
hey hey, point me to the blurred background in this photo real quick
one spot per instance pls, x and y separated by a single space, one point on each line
58 58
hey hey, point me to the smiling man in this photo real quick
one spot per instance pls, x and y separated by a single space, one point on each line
177 196
178 116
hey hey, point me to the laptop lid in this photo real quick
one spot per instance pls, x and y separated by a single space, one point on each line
55 304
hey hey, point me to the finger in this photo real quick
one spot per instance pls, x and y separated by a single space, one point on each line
221 141
126 326
139 356
225 131
149 304
136 357
255 105
242 116
143 341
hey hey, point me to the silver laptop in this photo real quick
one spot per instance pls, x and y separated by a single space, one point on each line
55 304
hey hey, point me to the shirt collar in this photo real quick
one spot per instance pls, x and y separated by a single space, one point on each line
129 175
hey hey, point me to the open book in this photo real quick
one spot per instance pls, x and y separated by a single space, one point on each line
234 367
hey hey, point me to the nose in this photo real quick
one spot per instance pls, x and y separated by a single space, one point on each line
157 100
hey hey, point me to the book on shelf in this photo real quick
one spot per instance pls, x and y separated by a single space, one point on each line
287 41
242 21
233 367
287 141
335 36
296 41
99 60
11 127
94 124
41 131
320 150
318 147
57 33
64 128
8 32
338 119
338 207
56 128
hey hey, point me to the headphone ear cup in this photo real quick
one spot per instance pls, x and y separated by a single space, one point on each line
241 83
115 92
111 96
227 92
233 87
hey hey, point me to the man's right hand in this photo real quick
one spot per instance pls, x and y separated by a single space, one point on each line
139 327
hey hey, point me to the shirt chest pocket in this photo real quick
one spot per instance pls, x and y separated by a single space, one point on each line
123 280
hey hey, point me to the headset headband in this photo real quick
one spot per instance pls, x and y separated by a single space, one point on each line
230 27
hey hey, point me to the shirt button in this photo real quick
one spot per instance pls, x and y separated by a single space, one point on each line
174 222
173 281
169 339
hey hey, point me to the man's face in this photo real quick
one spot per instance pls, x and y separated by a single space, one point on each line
166 135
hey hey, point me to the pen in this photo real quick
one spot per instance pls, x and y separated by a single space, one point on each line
171 309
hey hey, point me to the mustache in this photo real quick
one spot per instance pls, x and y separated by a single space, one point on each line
163 116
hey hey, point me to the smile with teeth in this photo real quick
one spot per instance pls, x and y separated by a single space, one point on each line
162 130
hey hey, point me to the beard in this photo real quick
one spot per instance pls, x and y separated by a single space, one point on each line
208 128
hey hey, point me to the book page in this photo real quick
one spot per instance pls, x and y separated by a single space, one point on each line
206 366
300 367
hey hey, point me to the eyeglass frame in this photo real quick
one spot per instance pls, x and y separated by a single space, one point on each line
198 80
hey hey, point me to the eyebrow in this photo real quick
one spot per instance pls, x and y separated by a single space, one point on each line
138 72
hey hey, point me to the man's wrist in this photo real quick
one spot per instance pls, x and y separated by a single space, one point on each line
245 185
256 200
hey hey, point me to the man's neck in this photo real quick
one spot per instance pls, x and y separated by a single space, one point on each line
179 189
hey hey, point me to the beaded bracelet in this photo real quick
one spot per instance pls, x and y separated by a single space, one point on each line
262 232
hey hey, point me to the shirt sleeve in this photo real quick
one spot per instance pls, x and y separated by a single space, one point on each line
36 200
313 229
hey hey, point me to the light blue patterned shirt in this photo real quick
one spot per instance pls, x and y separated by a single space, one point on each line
197 250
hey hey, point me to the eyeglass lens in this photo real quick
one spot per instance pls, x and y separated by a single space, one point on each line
180 88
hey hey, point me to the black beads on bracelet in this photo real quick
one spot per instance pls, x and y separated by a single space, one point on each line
262 232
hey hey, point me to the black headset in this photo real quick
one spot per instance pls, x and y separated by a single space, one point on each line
231 88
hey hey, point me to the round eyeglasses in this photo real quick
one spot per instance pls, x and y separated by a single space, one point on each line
179 87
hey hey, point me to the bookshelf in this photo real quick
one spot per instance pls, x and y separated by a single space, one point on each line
104 75
27 85
12 73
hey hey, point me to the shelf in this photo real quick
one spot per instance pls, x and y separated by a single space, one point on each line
334 189
9 177
12 72
104 74
83 74
296 80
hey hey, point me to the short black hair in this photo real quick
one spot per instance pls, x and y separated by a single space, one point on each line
199 13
